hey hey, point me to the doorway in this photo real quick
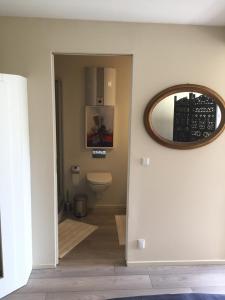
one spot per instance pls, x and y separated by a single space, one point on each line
104 212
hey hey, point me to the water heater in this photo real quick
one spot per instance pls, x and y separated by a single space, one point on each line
100 86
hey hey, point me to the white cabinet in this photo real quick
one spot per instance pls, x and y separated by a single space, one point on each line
15 196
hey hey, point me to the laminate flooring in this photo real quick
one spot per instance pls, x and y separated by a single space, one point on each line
102 245
95 270
71 233
121 228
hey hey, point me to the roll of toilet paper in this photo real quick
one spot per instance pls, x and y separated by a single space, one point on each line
75 169
75 178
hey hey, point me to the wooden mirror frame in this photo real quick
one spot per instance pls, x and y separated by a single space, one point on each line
179 89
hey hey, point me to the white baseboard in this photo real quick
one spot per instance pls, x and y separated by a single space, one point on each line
175 262
111 205
38 267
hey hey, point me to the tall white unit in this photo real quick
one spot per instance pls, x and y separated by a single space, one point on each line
15 196
100 86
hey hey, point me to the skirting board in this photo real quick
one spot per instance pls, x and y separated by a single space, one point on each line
38 267
154 263
110 205
175 263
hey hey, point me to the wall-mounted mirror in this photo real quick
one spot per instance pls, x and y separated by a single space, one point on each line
185 116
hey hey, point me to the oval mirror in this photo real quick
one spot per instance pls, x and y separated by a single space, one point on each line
185 116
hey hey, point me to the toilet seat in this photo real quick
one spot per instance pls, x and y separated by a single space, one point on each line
99 178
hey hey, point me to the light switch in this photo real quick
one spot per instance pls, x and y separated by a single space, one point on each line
141 243
145 161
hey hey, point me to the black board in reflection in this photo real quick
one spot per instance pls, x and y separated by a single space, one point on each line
194 118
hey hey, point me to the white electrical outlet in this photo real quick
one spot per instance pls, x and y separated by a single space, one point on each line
141 243
145 161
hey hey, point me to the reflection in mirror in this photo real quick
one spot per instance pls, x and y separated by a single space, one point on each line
185 117
1 262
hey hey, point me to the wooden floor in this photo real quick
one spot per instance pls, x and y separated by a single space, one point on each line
121 228
95 270
102 245
71 234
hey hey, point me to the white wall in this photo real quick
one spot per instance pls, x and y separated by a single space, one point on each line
178 203
70 69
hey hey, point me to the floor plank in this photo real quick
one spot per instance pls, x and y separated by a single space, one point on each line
86 284
121 228
28 296
102 295
188 269
74 271
131 270
188 280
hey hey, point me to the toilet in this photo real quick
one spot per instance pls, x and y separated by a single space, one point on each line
99 181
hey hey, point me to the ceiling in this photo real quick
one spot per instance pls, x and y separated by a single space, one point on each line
200 12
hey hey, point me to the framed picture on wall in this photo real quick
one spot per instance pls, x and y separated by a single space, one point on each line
99 132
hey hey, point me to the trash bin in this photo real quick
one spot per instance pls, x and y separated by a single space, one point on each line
80 205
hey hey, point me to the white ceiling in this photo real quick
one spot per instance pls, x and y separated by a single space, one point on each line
202 12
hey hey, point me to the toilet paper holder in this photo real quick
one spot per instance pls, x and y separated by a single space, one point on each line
75 174
75 169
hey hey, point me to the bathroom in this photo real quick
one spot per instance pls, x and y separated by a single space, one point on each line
80 163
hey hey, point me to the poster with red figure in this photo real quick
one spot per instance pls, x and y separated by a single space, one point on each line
99 126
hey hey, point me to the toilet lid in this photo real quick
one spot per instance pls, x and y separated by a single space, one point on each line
99 177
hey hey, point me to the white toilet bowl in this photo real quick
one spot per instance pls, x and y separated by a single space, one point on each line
99 181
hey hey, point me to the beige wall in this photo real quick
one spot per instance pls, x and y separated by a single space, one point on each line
178 203
70 69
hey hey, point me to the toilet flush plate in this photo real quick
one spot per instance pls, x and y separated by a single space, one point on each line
98 153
